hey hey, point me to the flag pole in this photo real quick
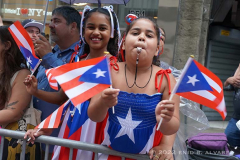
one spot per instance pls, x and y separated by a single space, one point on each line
45 17
190 59
106 52
36 132
35 68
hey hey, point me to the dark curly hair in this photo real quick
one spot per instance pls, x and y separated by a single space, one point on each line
12 61
113 42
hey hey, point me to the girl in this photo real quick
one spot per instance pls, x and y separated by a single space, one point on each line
141 97
99 30
14 97
100 33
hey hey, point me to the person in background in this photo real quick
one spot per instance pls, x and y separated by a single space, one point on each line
232 132
33 28
64 31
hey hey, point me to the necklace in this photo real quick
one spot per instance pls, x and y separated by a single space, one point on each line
136 78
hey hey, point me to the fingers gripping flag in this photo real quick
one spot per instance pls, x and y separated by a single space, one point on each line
200 85
24 43
82 80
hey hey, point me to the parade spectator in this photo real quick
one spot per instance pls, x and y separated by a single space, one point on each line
137 101
64 31
96 30
232 132
33 28
14 97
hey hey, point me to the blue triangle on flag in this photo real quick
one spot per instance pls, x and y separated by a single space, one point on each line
29 57
193 80
98 73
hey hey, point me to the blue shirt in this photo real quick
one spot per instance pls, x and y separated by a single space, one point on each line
51 60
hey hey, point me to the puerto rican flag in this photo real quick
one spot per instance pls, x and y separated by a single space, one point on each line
51 80
77 126
82 80
55 118
25 44
200 85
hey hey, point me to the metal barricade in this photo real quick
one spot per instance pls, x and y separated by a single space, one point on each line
48 140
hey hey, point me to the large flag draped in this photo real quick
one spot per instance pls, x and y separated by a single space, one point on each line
25 44
77 126
200 85
82 80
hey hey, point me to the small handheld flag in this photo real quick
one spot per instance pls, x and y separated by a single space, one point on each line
200 85
82 80
24 44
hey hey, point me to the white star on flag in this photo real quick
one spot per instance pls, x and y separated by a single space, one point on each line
192 79
29 60
128 125
99 73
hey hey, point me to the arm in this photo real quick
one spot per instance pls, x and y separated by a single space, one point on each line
18 102
50 97
168 110
100 104
234 81
164 149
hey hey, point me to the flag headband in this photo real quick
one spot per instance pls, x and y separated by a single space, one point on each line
111 13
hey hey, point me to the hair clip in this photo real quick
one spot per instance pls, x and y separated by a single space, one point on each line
110 9
129 18
86 9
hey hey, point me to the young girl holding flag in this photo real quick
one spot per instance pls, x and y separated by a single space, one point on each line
141 98
97 31
100 32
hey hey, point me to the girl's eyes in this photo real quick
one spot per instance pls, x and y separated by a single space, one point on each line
90 27
102 28
149 36
134 33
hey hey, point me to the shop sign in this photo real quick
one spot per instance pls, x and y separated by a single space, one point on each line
26 11
139 13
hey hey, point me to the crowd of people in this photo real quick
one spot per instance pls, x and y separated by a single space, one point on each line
140 92
81 38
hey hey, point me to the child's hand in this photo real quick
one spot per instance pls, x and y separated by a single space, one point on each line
161 152
109 96
31 84
165 110
32 134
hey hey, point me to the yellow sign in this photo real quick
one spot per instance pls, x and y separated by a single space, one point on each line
225 32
